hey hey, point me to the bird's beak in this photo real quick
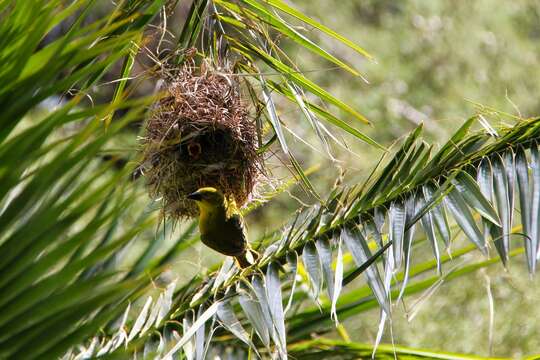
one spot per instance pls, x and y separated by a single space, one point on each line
195 196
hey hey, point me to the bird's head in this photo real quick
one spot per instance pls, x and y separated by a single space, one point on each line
208 198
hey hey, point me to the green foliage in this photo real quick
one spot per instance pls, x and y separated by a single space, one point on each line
60 203
333 349
68 215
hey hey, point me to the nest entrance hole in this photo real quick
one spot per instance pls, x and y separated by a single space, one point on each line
210 146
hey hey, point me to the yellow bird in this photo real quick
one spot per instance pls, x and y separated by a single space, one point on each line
221 225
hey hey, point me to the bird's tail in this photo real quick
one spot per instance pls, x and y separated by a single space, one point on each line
248 258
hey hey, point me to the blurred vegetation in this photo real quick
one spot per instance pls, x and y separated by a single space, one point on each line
432 56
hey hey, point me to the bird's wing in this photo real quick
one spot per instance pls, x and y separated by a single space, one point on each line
237 220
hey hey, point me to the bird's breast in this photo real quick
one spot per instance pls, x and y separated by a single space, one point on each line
223 235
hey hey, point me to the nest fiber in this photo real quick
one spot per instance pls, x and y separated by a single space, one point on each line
200 134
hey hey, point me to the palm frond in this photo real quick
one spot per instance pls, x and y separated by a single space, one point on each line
59 202
354 219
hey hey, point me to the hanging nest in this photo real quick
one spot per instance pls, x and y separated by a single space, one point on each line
200 134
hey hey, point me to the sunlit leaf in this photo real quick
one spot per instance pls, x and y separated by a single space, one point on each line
473 196
429 229
254 313
396 223
312 263
281 5
535 208
338 278
324 251
439 215
273 291
356 244
201 320
292 260
410 208
464 218
522 171
501 190
227 317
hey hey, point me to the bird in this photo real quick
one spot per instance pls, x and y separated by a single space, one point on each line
221 225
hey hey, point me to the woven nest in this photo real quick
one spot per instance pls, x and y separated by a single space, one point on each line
200 134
